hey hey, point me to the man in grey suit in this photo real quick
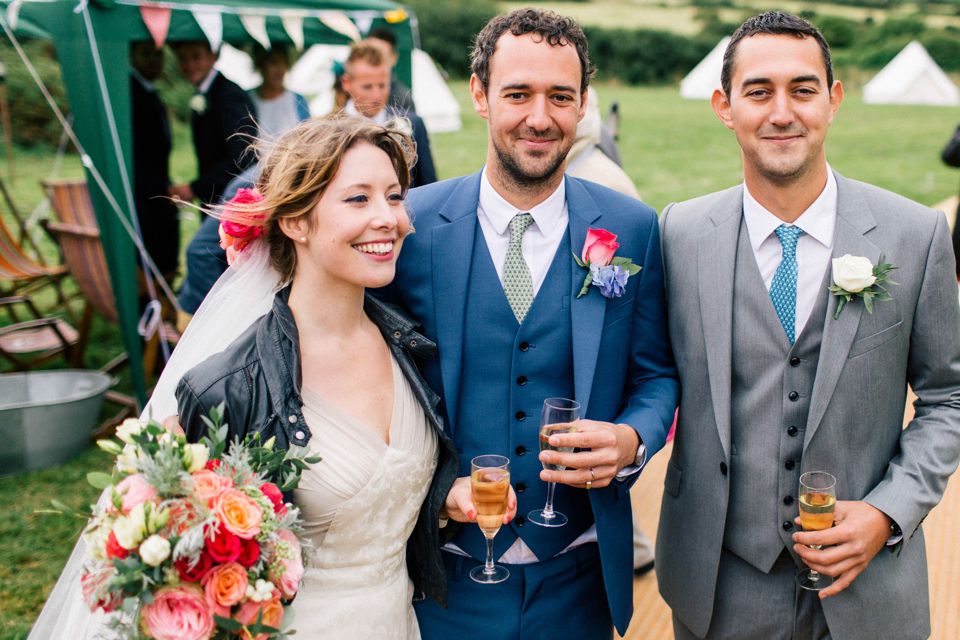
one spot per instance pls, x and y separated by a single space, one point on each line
775 383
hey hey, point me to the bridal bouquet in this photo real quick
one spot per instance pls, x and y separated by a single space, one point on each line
195 542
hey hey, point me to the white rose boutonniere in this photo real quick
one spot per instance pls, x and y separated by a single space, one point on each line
857 276
198 103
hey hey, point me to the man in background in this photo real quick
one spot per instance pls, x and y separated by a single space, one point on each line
366 80
156 214
401 96
223 125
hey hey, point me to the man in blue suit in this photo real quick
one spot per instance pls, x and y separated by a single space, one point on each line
513 331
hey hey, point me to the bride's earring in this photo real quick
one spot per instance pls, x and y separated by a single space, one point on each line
303 240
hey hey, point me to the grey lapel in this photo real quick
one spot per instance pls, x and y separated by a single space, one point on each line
854 220
716 256
451 253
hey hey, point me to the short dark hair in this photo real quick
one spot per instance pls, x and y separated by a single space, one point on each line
386 35
773 23
556 30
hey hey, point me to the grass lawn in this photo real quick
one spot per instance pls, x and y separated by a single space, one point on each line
673 149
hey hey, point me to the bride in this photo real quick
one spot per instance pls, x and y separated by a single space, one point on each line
325 366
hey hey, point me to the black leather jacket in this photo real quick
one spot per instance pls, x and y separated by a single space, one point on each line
259 378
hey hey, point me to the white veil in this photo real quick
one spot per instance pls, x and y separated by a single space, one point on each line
243 294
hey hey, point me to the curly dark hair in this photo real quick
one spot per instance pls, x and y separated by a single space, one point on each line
556 30
773 23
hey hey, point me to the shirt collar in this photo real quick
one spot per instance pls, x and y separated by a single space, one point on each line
500 212
204 86
818 221
351 110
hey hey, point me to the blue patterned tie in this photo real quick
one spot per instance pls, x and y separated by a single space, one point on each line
783 289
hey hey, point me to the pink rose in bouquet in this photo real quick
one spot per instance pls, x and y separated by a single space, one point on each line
95 585
238 513
599 247
177 613
208 485
286 567
134 490
272 614
225 586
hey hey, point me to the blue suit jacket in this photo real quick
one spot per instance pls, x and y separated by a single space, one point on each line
623 367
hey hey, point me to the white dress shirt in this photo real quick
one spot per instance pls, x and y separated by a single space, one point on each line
814 246
380 117
540 240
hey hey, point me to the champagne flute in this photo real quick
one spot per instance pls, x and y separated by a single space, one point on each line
489 488
557 412
817 500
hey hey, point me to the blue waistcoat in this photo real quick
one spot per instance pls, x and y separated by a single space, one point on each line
512 369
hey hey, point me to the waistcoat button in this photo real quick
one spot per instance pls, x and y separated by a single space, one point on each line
521 450
524 346
723 468
519 521
787 526
522 380
788 500
788 465
520 487
794 361
521 415
794 395
791 431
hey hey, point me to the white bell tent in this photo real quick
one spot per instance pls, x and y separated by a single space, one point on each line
912 77
704 78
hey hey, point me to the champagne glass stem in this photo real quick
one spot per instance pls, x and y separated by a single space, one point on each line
488 565
814 574
548 508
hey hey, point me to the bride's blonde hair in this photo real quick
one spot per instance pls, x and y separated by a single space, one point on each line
301 164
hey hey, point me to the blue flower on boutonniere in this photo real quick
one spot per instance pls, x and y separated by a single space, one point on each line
604 270
856 276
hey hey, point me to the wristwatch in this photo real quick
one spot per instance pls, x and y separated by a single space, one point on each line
641 457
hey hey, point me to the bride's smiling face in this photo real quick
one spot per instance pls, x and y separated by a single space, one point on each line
358 224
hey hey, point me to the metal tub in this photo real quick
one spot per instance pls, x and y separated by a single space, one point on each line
46 417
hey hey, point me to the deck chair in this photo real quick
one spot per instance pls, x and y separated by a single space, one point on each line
22 273
78 235
27 344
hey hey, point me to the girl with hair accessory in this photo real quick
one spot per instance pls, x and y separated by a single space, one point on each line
293 346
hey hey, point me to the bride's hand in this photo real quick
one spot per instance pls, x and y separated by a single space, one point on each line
459 504
172 423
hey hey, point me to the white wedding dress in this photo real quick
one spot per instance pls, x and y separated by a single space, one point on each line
360 504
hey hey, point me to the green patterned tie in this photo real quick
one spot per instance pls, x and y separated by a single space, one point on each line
516 276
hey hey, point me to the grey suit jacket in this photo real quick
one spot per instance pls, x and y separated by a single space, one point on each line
854 428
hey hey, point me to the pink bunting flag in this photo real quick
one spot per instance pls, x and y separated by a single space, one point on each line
157 20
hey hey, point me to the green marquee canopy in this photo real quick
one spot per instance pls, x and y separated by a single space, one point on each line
92 39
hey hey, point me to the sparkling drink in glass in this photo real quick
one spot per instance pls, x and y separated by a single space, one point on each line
555 418
489 488
817 501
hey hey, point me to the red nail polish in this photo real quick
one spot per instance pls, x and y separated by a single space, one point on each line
509 519
471 514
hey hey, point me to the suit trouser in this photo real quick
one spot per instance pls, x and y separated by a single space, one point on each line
752 605
563 597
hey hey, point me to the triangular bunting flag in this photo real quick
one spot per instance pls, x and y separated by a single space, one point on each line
341 23
157 20
256 26
293 24
363 24
211 23
13 13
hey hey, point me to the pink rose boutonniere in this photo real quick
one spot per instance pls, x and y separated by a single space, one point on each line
234 235
604 269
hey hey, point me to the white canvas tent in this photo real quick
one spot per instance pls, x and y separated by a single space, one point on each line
704 78
912 78
312 77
